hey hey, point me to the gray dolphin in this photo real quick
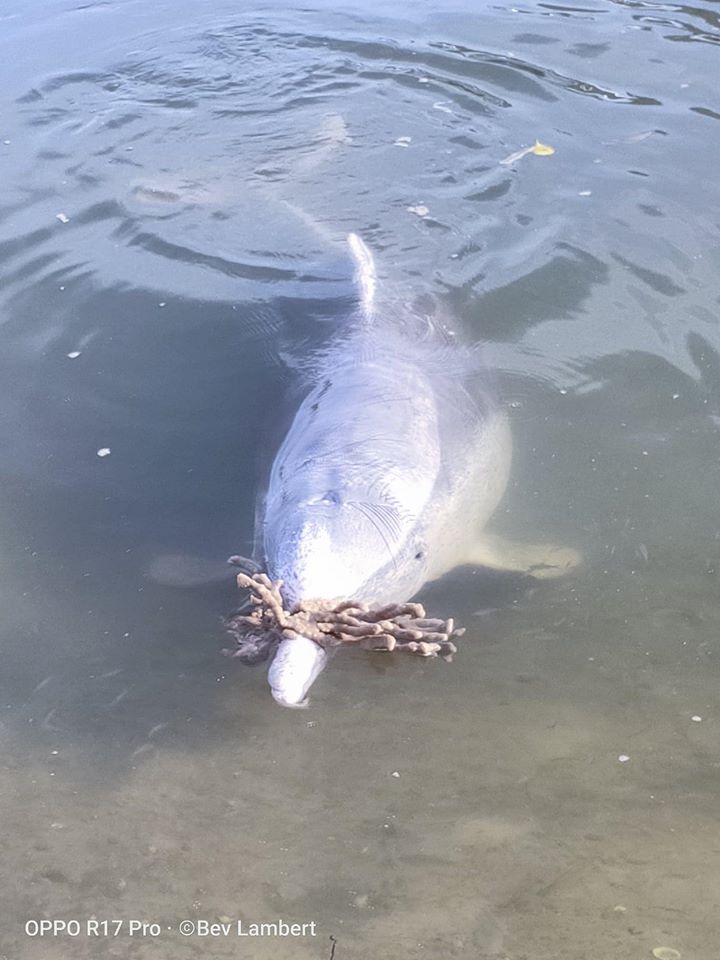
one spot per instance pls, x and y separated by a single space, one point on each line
393 464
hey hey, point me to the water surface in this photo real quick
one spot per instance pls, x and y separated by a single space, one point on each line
207 161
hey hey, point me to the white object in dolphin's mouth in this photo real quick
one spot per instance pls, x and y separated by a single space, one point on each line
294 668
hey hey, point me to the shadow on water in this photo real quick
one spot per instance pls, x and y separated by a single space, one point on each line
555 291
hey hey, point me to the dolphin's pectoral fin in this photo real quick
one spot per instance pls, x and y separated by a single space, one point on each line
544 561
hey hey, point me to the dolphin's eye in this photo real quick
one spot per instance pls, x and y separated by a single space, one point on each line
420 555
331 498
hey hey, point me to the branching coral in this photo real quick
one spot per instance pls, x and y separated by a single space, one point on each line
402 627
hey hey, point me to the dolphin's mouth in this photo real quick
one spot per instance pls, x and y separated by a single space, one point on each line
294 669
312 629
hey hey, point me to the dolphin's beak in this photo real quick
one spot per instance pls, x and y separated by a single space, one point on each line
296 664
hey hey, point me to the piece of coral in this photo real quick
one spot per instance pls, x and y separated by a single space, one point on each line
402 627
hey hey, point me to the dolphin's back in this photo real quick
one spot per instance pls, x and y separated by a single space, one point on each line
395 457
365 273
379 457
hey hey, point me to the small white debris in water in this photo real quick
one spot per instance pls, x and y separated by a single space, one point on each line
423 80
420 210
7 142
585 193
675 396
403 142
104 452
623 758
666 953
395 774
163 304
696 719
54 752
73 355
62 218
563 391
620 909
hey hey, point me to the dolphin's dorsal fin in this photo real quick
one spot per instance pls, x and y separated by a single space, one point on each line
364 272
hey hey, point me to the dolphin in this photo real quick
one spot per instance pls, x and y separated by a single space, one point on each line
393 464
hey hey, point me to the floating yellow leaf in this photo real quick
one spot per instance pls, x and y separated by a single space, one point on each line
542 149
539 149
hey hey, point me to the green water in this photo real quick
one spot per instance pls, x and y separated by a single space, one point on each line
209 161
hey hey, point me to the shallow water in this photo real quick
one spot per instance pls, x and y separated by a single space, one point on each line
209 163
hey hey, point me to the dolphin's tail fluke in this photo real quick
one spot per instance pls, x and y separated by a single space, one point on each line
364 272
